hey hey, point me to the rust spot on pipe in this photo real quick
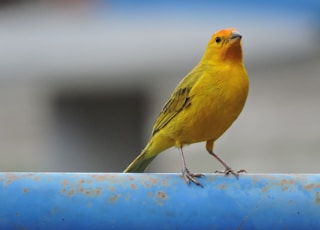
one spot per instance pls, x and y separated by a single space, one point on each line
222 186
266 188
98 191
101 177
165 182
113 198
133 186
311 186
11 178
317 198
154 180
130 177
71 192
147 185
36 178
286 182
25 190
65 182
112 189
161 195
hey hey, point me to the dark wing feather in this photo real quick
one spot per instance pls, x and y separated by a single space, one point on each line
179 100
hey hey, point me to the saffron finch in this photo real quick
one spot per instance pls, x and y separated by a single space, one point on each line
203 105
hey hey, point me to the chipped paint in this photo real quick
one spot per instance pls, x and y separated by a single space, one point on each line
286 182
101 177
10 178
153 180
113 198
112 188
265 188
165 182
130 177
311 186
36 178
160 197
133 186
65 182
317 198
221 186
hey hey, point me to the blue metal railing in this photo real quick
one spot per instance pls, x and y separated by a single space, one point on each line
158 201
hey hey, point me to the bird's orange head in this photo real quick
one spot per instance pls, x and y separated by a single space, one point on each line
224 46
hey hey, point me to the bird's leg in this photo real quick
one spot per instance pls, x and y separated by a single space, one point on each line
228 169
188 176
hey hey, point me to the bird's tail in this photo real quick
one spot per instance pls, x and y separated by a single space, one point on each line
156 145
140 163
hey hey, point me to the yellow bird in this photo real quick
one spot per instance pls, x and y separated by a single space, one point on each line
203 105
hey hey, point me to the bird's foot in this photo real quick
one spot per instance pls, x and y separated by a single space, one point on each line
188 176
228 171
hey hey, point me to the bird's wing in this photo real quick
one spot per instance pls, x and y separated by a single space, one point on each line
179 100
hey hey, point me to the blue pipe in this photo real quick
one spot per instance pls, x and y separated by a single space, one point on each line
158 201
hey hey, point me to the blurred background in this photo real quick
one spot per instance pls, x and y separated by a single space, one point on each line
81 82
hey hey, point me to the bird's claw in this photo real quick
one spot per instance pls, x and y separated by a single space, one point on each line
188 176
228 171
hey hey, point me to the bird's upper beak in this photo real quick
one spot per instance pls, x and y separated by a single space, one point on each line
235 34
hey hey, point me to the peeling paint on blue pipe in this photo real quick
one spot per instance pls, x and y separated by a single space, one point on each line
160 201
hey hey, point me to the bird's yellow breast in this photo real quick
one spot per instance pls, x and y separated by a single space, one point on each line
216 100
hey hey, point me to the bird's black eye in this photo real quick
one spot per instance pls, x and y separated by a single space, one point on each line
218 39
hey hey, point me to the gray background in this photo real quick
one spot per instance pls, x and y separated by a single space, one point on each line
81 83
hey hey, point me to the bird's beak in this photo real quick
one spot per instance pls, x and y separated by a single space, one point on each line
235 34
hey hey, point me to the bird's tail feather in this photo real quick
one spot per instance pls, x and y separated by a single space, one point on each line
140 163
